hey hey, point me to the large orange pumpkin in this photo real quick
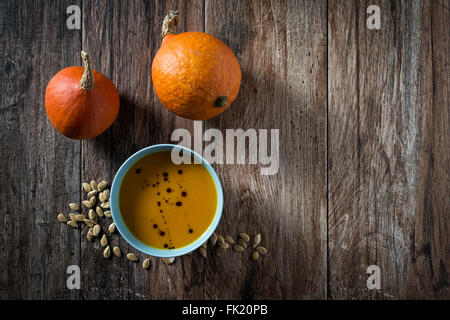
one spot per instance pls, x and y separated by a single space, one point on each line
195 75
81 103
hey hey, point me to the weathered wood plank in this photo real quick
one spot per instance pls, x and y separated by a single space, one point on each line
122 38
388 199
281 46
40 170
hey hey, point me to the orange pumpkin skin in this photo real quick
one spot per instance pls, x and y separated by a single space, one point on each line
192 72
78 113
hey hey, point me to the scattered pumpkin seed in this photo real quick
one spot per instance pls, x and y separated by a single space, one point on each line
108 214
107 252
89 223
168 260
220 239
219 250
205 244
213 239
101 197
91 214
255 255
202 252
87 187
73 216
146 263
74 206
132 257
80 217
242 243
104 241
244 236
93 184
89 235
72 224
93 193
112 227
229 239
96 230
238 248
92 200
256 240
225 245
62 218
101 185
105 205
261 250
99 211
87 204
40 221
117 252
106 194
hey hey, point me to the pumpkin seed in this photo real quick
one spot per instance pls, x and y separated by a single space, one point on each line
72 224
117 252
105 205
73 216
229 239
244 236
213 239
132 257
93 193
96 230
87 187
80 217
62 218
99 211
87 204
89 223
220 239
101 185
106 194
91 214
103 241
89 235
168 260
93 184
255 255
205 244
202 252
107 252
91 232
112 227
238 248
108 214
40 221
219 250
101 197
256 240
242 243
92 200
261 250
146 263
74 206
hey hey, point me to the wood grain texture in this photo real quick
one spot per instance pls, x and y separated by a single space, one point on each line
283 87
40 170
388 151
364 148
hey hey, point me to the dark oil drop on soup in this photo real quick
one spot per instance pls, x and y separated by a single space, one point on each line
142 208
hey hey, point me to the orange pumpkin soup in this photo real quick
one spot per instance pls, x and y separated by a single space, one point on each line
164 205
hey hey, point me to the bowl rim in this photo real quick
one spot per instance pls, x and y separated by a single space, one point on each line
123 229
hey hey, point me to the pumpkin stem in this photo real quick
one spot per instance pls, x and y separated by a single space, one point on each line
87 80
170 22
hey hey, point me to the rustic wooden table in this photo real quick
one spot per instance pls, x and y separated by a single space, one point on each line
364 148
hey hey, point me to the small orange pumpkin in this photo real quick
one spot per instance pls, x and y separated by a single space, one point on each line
195 75
81 103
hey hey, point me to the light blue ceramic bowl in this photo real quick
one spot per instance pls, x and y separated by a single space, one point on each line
123 229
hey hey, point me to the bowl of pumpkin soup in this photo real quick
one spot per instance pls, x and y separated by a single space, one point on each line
163 208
